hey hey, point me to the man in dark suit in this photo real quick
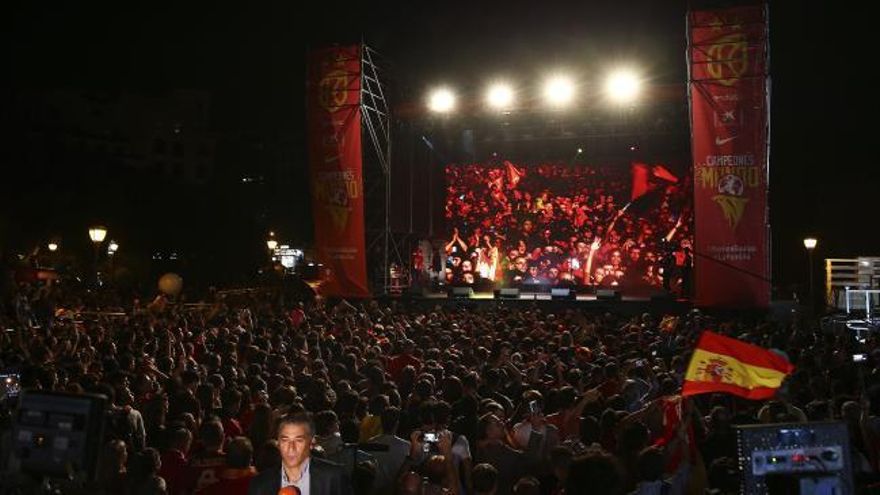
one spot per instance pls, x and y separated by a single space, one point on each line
309 475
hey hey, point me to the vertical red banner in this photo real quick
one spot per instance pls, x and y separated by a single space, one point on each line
334 124
729 92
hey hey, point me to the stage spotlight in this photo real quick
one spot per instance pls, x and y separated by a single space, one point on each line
623 86
441 100
559 91
500 96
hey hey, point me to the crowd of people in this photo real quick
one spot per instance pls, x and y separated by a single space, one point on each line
252 395
560 224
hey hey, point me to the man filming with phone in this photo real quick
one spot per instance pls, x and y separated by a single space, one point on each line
534 421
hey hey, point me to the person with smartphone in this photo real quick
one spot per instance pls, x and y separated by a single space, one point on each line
532 406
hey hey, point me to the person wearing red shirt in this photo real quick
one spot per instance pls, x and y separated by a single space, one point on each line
402 360
235 478
175 463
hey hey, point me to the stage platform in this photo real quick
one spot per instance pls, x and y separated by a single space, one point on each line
621 303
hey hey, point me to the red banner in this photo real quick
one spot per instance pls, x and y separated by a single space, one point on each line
727 51
334 119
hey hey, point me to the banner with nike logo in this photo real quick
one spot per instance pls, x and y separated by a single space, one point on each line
729 92
334 127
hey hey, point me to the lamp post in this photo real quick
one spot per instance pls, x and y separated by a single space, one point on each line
97 234
810 244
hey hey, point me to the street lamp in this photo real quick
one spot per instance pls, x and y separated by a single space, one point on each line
97 234
271 244
810 244
112 248
53 246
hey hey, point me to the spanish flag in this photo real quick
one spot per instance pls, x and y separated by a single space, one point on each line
722 364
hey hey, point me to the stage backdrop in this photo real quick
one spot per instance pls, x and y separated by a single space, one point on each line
334 119
729 93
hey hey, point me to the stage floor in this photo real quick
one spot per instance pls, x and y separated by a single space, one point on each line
540 297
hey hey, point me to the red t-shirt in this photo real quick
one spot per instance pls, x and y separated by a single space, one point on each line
205 469
401 361
174 471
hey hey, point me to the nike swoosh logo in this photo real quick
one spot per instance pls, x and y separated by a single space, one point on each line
719 141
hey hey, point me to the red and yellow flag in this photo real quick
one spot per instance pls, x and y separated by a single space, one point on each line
722 364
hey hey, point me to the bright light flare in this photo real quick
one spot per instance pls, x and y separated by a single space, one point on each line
500 96
559 91
623 86
441 100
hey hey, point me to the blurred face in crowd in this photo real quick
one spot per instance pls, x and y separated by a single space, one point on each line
520 264
635 254
495 429
466 266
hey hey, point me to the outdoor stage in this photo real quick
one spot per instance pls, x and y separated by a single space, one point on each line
622 303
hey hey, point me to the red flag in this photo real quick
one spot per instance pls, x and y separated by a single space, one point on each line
661 172
513 175
640 184
722 364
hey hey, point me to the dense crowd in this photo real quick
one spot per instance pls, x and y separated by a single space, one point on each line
476 399
562 224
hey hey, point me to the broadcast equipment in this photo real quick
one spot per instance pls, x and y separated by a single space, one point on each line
57 435
803 458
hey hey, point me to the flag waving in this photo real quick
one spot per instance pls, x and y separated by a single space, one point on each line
722 364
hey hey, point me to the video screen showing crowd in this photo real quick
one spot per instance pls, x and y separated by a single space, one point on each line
556 224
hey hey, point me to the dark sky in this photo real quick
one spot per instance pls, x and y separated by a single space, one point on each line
824 178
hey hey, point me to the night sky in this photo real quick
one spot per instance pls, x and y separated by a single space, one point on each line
250 56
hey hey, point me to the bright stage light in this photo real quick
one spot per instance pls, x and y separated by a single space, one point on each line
559 91
500 96
623 86
441 100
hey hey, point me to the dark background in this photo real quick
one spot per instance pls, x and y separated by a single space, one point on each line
249 60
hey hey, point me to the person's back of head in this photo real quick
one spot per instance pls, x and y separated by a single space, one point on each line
632 438
485 479
211 435
650 464
181 439
590 431
144 465
349 431
527 486
326 423
154 485
595 469
560 460
231 399
378 404
724 476
268 456
239 453
390 420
